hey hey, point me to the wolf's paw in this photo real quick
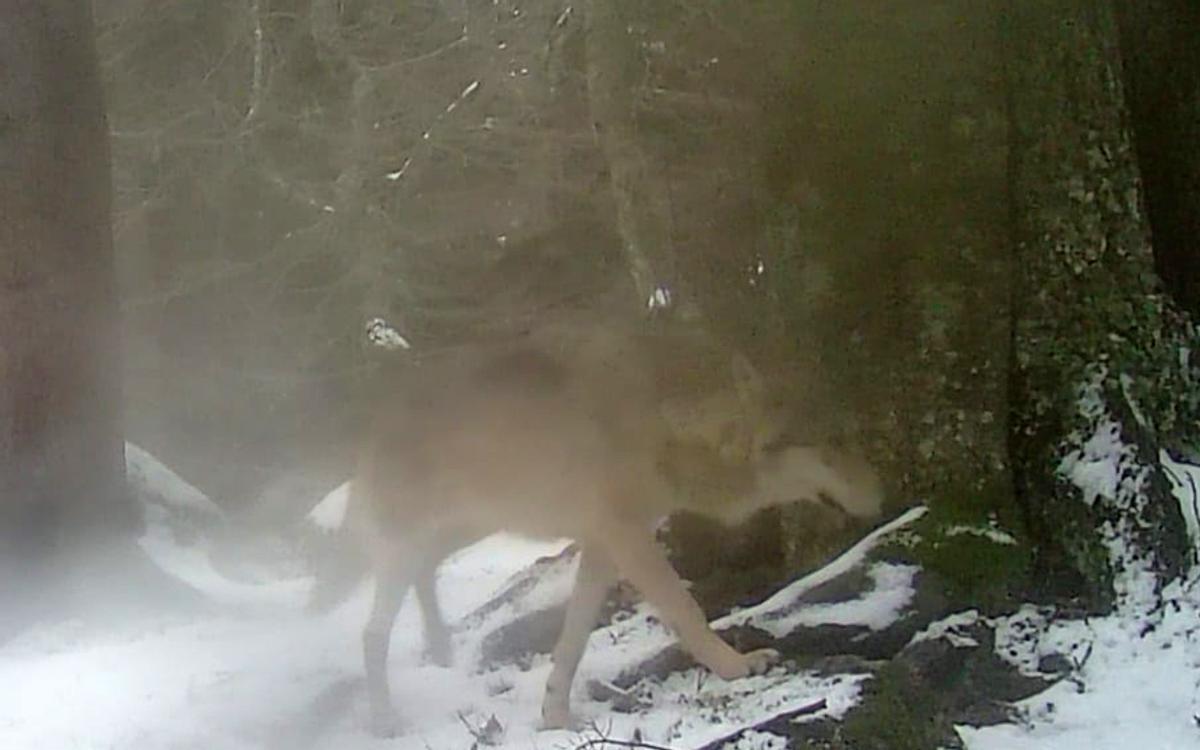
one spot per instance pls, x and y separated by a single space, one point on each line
556 715
384 724
440 653
749 663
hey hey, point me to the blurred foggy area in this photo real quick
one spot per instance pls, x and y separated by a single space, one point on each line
288 169
823 186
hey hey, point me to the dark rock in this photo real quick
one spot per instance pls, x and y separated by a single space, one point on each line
1055 664
518 641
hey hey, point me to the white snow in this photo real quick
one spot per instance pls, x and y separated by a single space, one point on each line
948 629
1093 469
152 481
1136 676
893 589
876 609
178 522
191 564
1185 481
271 676
1131 689
329 514
281 679
991 533
259 673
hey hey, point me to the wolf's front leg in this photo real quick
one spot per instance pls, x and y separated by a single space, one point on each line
642 563
592 582
390 587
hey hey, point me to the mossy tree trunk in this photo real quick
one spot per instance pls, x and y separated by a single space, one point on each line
888 246
1101 370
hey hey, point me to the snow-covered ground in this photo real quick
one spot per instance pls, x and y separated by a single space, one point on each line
264 674
1133 689
267 675
1136 682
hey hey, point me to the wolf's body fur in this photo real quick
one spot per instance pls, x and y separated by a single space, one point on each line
593 437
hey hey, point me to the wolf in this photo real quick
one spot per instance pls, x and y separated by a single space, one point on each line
593 435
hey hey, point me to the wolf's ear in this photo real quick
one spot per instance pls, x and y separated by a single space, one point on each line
748 381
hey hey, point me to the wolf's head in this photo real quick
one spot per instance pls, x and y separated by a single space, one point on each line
731 416
837 478
731 490
725 457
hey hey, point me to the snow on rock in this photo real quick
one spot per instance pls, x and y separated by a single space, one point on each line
156 484
877 608
1108 471
1135 674
191 564
949 628
1185 481
1136 683
329 514
1028 636
785 610
178 520
474 574
992 533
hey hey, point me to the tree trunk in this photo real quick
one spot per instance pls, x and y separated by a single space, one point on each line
1162 76
894 260
61 447
643 207
1101 371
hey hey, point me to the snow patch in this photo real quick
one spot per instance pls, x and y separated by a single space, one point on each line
1185 482
1095 467
991 533
177 517
268 677
329 514
152 480
1107 470
1136 682
1135 674
876 609
783 611
948 629
192 565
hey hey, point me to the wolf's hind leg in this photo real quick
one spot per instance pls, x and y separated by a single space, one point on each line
437 633
592 582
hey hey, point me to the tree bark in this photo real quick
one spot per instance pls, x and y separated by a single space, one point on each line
643 206
1098 350
895 261
1162 77
61 446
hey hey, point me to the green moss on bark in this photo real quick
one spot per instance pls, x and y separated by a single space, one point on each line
1088 304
